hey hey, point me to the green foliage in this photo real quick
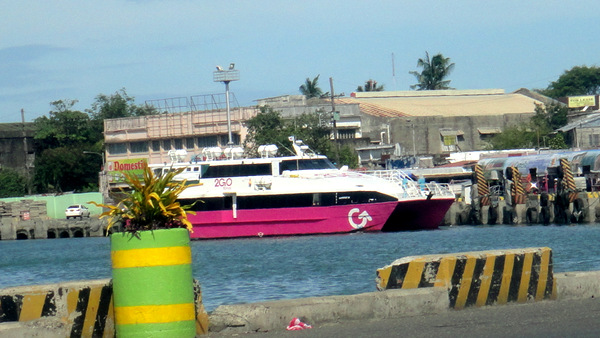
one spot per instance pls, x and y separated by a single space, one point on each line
64 169
557 142
64 127
514 137
268 127
150 203
12 183
537 132
579 80
347 156
311 130
435 70
370 86
63 136
118 105
311 89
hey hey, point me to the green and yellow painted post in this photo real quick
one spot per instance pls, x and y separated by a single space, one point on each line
153 284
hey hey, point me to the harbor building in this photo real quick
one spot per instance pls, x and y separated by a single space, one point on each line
434 123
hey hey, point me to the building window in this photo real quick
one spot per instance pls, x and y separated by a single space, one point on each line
139 147
594 140
207 141
346 133
189 143
155 145
178 143
117 148
166 145
224 139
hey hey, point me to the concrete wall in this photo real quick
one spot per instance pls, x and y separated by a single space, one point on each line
56 204
427 130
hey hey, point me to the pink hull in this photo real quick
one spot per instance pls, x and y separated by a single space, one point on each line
418 214
291 221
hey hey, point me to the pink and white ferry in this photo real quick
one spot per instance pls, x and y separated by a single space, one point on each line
299 195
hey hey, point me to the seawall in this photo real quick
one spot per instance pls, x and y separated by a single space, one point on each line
84 308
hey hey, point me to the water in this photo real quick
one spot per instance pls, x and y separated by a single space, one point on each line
252 270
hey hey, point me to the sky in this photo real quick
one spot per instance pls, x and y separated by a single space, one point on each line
76 50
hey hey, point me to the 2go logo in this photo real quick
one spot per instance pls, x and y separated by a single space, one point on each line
223 182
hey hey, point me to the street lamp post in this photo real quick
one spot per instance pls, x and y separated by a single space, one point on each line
226 76
99 154
102 181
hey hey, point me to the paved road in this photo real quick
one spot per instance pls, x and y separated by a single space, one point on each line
567 318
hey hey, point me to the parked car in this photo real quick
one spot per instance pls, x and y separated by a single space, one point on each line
77 210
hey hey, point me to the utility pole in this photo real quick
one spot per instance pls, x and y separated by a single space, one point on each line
333 112
26 153
334 116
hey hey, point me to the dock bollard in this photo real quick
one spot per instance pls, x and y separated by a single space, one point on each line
153 284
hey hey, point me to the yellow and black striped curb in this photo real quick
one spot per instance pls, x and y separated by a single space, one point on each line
477 278
85 307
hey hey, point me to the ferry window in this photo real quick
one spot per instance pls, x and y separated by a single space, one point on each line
166 144
306 164
196 169
139 147
155 145
237 170
189 143
117 148
178 143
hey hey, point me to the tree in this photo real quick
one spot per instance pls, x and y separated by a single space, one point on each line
435 70
579 80
311 89
64 127
118 105
267 127
370 86
62 169
12 183
309 128
61 137
540 128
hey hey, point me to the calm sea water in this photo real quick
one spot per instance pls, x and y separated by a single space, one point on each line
252 270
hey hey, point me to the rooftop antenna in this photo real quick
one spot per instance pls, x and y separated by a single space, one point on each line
394 72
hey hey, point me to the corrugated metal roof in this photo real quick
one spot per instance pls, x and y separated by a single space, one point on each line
450 132
489 130
447 103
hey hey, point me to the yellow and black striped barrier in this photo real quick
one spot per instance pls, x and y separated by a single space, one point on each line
483 191
86 307
477 278
518 191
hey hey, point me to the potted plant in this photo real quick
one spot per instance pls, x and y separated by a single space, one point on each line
151 258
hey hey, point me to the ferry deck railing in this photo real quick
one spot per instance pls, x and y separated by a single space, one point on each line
411 188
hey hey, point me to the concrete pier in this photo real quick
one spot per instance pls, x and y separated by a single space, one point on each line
537 209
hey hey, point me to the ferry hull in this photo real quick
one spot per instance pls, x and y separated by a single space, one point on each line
418 214
291 221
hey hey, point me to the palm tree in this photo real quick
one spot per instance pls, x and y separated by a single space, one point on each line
370 86
311 88
434 71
